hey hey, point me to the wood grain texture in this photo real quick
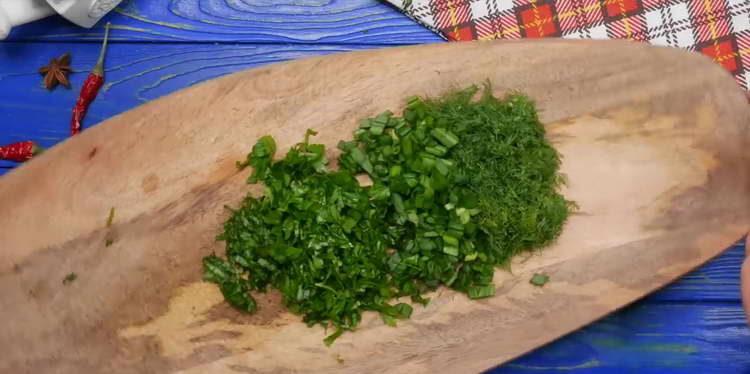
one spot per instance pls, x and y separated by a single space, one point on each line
653 161
232 21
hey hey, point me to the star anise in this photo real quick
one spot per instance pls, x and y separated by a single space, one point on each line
56 72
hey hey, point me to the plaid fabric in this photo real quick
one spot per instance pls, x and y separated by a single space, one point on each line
719 29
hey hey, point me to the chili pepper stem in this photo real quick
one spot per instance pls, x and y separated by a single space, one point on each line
36 149
99 67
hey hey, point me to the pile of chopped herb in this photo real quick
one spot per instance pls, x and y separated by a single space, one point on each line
459 187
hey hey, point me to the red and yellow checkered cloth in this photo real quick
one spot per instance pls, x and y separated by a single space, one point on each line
719 29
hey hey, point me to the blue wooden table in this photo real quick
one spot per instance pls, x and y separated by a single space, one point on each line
160 46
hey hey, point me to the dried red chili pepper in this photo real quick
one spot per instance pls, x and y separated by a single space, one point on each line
20 152
90 89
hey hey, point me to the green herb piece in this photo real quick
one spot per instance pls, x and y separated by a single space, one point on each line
480 292
539 279
361 159
260 158
232 286
445 137
331 338
217 270
109 239
69 278
111 217
235 291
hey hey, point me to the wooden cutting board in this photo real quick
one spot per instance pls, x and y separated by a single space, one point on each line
655 146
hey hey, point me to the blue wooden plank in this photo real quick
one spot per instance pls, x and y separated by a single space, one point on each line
650 338
200 21
717 280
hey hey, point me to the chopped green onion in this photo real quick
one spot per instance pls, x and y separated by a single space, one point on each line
445 137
